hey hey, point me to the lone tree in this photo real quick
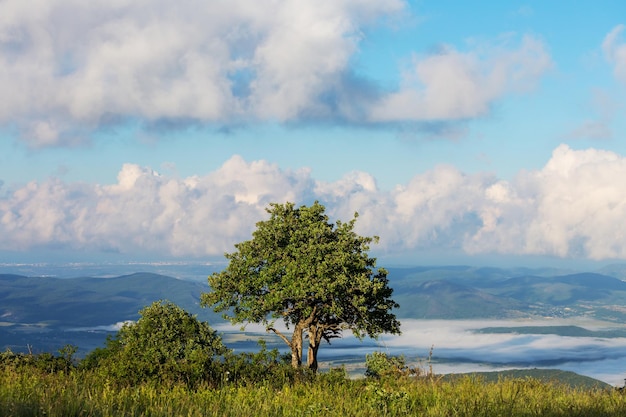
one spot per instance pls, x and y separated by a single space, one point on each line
315 276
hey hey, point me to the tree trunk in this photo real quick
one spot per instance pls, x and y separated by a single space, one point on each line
295 344
315 338
296 347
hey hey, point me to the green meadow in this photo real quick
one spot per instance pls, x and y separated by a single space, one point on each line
31 391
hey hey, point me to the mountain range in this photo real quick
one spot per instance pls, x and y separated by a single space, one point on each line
88 301
493 293
454 292
32 306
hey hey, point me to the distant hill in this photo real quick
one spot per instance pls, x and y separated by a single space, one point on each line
441 292
569 331
561 290
93 301
614 270
465 292
443 299
555 376
44 314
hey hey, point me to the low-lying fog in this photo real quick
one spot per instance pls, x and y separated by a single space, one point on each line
458 347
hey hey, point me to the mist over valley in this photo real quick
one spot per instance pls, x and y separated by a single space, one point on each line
473 319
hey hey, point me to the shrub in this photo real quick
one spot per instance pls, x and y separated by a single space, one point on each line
46 361
267 366
379 364
167 344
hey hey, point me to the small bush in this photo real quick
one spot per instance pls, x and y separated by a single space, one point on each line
166 345
264 366
379 364
334 376
45 362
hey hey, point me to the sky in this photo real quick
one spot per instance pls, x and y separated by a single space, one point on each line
461 132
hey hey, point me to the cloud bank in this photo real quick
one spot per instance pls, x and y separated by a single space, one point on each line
454 339
572 207
457 347
69 68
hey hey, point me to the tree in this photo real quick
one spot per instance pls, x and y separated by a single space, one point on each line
315 276
165 344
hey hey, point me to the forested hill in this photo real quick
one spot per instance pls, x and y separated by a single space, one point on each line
566 378
82 302
454 292
460 292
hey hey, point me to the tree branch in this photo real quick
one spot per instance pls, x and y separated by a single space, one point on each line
279 334
309 320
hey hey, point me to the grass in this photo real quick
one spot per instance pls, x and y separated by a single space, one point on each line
554 376
32 392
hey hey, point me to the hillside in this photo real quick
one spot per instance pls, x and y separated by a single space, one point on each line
466 292
443 299
44 314
567 331
448 292
554 376
92 301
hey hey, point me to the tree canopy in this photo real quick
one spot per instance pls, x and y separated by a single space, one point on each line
315 276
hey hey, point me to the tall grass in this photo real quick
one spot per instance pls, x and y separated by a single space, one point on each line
33 392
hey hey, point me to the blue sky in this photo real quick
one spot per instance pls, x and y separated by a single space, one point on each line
460 131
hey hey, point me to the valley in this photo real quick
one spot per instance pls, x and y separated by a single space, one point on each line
474 318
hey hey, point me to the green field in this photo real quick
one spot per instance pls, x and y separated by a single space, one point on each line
32 392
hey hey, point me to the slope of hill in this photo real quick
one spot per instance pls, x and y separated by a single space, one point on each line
562 290
442 299
568 331
466 292
555 376
46 313
92 301
449 292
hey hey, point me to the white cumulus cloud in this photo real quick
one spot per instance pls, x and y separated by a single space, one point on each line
145 212
572 207
68 67
459 85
